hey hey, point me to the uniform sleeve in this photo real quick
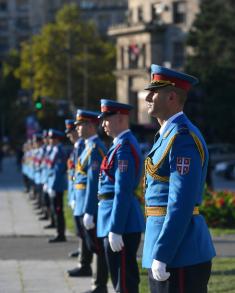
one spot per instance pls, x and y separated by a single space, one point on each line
123 189
184 185
58 170
91 199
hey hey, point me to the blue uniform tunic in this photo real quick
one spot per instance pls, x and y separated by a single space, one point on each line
57 169
71 162
86 177
175 176
120 174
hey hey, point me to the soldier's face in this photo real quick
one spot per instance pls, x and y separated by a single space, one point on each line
82 129
110 125
157 103
72 136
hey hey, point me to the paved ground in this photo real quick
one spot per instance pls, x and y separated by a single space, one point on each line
28 264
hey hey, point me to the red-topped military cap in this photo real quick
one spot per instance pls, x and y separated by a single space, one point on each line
161 77
110 107
86 116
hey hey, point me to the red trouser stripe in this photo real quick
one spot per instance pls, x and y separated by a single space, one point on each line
181 280
123 271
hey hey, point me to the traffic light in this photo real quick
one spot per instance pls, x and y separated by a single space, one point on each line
38 103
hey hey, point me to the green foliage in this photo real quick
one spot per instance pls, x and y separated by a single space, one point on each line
68 214
218 209
223 276
212 39
68 57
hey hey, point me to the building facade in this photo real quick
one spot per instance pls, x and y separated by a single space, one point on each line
155 32
20 19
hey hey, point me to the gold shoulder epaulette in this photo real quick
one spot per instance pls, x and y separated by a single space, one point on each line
199 146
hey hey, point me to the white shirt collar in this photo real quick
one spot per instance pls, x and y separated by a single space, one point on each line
77 142
167 122
89 139
119 135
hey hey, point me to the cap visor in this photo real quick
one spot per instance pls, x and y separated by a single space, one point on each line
152 87
106 114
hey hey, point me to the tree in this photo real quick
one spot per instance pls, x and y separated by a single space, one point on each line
212 39
68 60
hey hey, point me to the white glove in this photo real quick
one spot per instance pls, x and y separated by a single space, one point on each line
51 193
159 271
72 204
115 241
44 188
88 221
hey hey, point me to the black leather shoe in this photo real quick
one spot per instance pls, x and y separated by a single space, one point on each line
57 239
43 218
50 226
74 253
80 272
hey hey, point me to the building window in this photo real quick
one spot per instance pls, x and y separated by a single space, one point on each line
3 25
178 54
4 45
3 6
140 14
157 9
122 57
179 12
134 53
144 55
22 5
22 23
129 16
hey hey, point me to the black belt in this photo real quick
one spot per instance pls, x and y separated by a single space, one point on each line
106 196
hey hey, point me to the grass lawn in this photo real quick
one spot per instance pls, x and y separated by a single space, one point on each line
223 271
221 232
222 279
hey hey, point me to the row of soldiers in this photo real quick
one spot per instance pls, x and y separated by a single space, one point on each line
91 171
102 188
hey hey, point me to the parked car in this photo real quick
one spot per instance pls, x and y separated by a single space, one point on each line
221 152
226 169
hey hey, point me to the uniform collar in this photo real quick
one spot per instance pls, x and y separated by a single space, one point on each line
120 135
168 122
80 139
90 139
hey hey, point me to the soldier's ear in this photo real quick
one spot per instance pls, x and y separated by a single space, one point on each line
172 95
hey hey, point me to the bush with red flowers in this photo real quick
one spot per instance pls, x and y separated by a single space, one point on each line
218 209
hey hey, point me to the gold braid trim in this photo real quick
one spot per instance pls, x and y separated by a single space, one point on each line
80 167
199 146
152 169
163 82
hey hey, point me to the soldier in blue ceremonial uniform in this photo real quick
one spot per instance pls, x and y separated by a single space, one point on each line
47 149
56 183
178 248
79 145
88 166
86 184
38 155
120 219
